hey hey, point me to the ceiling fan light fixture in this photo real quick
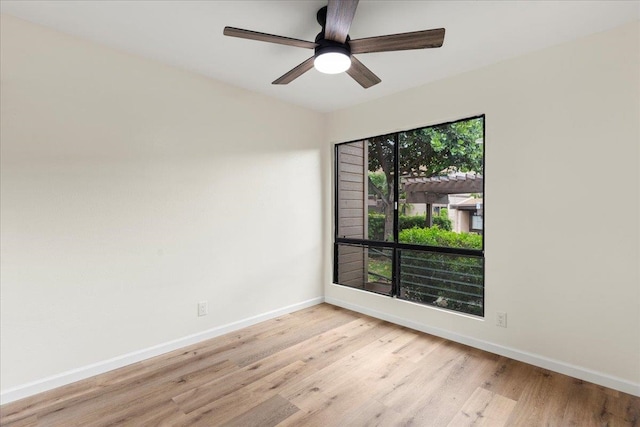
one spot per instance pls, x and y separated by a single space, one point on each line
332 60
333 45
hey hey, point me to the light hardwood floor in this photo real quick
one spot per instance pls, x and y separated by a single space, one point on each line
326 366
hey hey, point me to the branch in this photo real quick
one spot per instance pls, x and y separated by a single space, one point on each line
378 192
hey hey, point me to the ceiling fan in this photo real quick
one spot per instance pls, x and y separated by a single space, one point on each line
334 49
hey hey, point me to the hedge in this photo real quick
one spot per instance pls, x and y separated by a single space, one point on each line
376 223
434 236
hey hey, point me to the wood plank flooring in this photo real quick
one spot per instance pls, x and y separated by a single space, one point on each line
326 366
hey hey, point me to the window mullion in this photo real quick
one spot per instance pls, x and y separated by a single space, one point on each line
395 285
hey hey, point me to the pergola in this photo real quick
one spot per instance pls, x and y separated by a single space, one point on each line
436 189
429 190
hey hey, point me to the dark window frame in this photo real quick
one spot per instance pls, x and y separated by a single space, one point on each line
395 245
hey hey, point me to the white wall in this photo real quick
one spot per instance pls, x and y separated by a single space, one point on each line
562 142
131 191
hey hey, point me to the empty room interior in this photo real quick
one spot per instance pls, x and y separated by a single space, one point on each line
203 222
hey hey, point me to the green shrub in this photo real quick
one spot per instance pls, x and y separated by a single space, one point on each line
412 221
376 226
412 230
376 223
434 236
442 220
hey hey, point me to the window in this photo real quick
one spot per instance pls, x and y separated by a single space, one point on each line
409 215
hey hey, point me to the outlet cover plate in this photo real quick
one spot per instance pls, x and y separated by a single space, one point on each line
203 308
501 319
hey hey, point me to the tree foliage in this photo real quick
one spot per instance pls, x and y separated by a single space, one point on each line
431 151
426 152
379 180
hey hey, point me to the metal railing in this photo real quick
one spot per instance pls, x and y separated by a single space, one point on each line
448 280
454 282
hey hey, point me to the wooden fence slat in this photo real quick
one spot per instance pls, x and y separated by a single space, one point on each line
351 186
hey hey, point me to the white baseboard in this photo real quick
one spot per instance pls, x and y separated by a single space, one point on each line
522 356
84 372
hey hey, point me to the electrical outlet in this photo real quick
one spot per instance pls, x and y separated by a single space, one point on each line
203 308
501 319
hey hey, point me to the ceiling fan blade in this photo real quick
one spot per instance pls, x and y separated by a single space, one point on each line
294 73
403 41
264 37
362 74
340 14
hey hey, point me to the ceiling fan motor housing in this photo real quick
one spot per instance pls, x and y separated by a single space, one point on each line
327 46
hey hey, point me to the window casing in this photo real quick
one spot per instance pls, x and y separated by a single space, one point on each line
416 237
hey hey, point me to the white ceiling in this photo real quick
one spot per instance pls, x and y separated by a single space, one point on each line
188 34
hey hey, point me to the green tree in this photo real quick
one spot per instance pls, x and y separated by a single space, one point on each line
426 152
381 159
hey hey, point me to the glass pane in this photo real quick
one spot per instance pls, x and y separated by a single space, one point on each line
441 187
381 191
454 282
365 267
